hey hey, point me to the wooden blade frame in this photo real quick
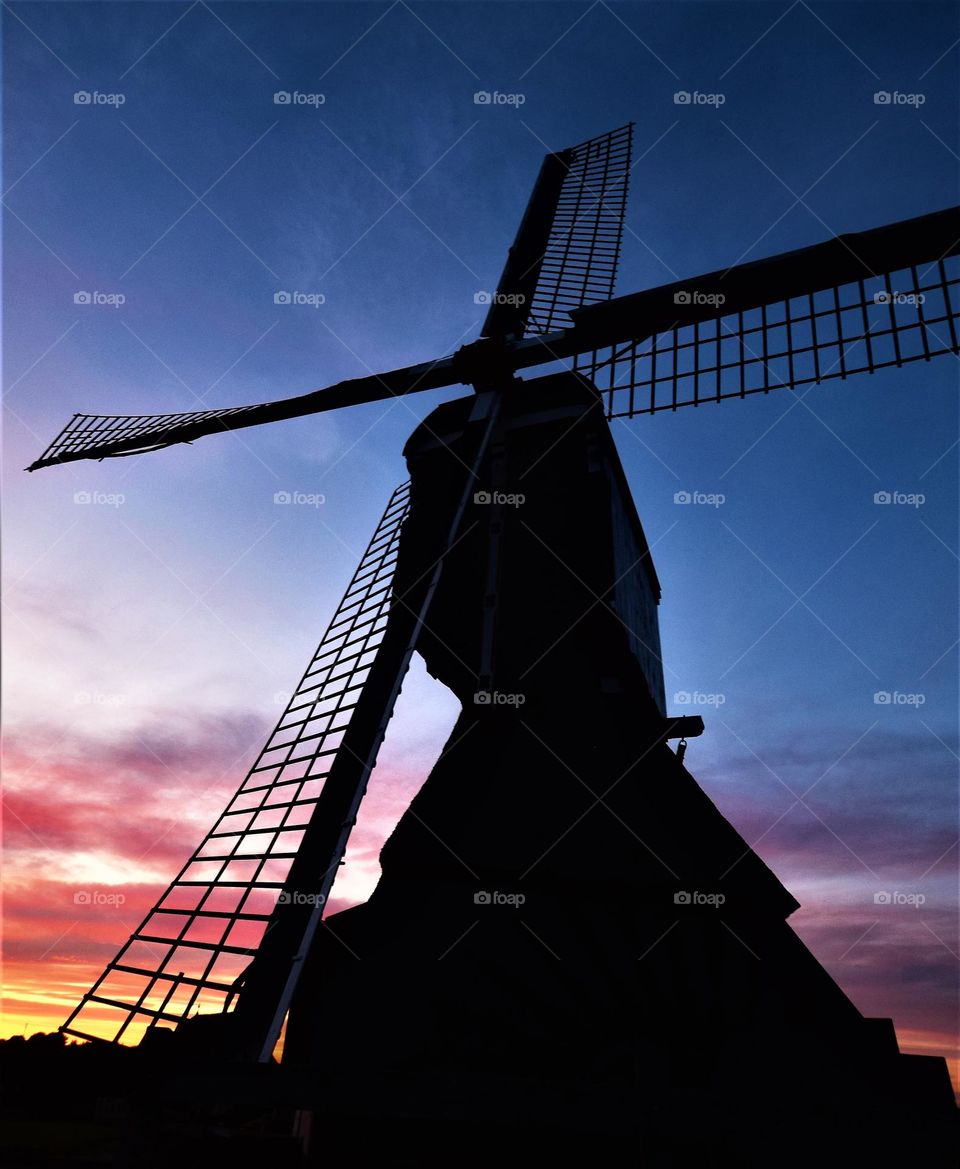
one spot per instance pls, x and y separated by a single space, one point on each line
901 260
855 304
232 933
101 436
191 951
567 248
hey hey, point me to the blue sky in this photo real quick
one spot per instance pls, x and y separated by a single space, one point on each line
185 608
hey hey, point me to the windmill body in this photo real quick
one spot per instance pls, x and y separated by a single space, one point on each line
564 920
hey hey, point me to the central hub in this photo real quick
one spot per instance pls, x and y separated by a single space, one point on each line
487 361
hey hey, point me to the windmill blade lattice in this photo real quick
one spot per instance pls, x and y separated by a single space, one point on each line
101 436
579 265
87 434
835 333
855 304
190 953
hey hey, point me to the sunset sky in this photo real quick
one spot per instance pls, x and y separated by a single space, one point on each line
159 609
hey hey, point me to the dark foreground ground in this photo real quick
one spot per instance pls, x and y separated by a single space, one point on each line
67 1104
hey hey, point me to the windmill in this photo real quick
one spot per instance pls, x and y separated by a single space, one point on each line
227 952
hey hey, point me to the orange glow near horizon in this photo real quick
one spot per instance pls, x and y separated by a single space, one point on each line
77 883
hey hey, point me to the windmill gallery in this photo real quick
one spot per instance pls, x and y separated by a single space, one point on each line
569 948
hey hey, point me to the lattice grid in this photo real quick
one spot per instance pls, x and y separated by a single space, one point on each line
580 263
190 952
87 432
890 320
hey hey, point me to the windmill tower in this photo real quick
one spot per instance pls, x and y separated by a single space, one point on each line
578 931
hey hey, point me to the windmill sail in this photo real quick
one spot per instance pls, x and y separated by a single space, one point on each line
192 951
579 266
567 247
565 256
234 929
100 436
581 255
855 304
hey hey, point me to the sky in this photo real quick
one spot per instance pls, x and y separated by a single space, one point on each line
159 609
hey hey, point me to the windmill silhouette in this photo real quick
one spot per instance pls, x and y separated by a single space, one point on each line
515 563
